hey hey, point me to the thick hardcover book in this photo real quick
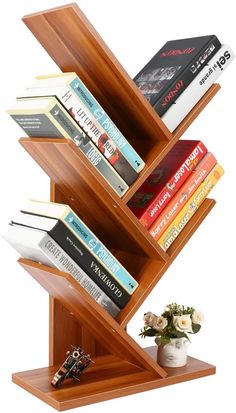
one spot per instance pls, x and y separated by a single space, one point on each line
91 107
40 247
172 209
173 68
190 208
86 236
90 126
46 117
198 87
77 251
158 189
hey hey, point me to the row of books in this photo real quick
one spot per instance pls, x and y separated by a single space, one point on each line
52 234
61 106
171 195
176 78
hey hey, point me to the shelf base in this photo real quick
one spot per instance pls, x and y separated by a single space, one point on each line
108 378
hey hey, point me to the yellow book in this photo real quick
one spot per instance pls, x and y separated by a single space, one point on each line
190 208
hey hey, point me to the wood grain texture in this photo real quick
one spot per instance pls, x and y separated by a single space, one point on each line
91 197
148 282
63 287
73 43
64 328
108 378
197 109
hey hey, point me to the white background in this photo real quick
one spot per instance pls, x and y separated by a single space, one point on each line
203 274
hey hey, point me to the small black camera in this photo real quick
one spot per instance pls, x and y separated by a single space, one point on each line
75 363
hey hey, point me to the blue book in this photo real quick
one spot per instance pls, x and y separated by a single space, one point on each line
86 236
73 94
112 131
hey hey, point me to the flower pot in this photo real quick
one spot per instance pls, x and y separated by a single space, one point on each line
173 354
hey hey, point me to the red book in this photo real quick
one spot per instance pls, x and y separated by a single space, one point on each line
191 184
158 189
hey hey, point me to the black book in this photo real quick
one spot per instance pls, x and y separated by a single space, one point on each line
173 68
79 253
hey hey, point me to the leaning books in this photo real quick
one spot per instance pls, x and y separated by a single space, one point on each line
62 235
46 117
40 247
198 87
190 208
172 209
75 96
173 68
155 193
65 214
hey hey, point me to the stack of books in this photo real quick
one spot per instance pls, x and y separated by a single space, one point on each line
171 195
60 106
179 74
53 235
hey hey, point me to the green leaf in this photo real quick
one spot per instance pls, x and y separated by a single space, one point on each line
195 328
164 340
178 334
150 332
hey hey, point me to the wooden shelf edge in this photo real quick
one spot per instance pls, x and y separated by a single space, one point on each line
64 152
191 227
172 252
197 109
102 326
96 66
37 382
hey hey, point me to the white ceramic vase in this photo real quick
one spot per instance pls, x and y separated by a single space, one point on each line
173 354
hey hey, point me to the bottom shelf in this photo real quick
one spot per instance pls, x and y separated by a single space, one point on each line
109 377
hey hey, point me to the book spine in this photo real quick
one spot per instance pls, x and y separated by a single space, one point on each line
180 199
187 76
83 257
198 87
190 208
112 265
64 263
103 119
167 193
85 145
84 118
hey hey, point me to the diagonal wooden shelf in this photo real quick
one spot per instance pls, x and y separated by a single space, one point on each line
121 366
148 283
108 378
75 46
82 187
101 325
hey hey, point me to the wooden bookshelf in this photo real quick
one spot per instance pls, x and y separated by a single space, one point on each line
121 366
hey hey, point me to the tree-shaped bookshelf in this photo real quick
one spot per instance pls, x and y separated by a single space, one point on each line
121 366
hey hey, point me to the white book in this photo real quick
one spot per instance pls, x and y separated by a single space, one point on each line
38 246
198 87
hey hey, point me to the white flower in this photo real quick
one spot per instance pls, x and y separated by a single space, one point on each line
197 317
159 323
183 323
148 318
167 309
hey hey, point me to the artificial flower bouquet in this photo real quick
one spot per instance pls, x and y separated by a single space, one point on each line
175 322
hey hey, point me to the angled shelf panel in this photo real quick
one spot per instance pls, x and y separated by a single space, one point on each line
89 194
149 282
73 43
107 379
197 109
101 325
161 150
121 366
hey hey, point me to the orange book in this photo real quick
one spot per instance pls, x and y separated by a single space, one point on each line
172 209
